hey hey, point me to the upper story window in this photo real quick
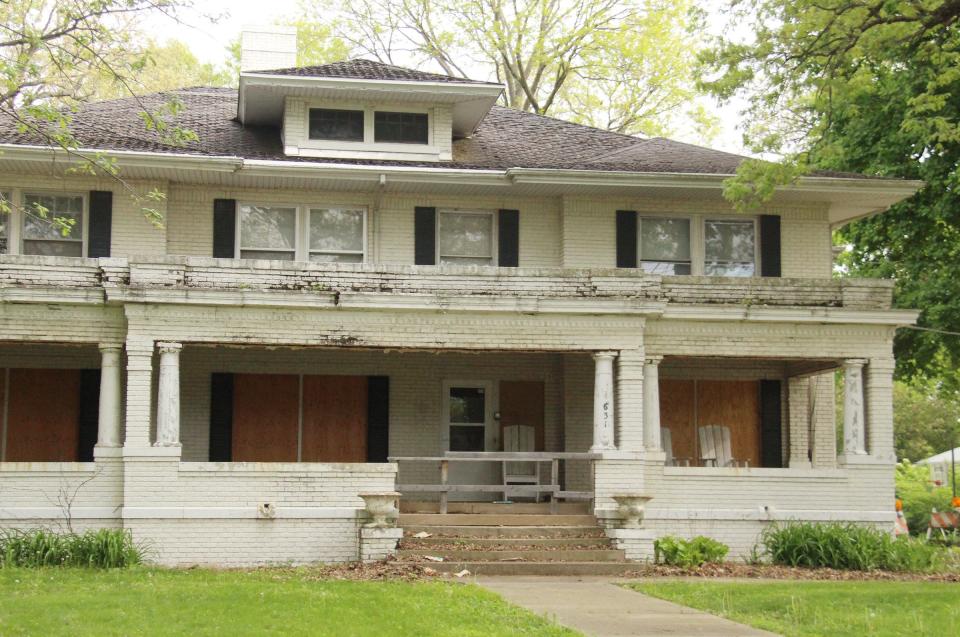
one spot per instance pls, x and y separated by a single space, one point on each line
465 237
665 245
401 128
6 211
729 247
336 124
53 225
301 233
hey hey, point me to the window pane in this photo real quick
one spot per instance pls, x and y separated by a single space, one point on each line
269 255
467 405
469 438
664 239
53 248
267 227
336 230
329 257
466 235
401 128
466 261
665 267
54 217
729 248
340 125
5 210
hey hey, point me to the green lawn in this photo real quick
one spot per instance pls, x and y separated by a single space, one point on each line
831 609
205 602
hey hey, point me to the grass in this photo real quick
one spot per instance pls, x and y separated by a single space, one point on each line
834 609
143 601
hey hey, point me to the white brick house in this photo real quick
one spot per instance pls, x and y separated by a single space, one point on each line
360 261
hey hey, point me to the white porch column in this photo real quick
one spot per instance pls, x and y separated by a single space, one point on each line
651 403
110 416
878 405
854 429
168 396
139 393
603 409
630 400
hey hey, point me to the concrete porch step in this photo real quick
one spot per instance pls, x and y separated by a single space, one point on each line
493 531
525 555
489 519
569 508
506 542
536 568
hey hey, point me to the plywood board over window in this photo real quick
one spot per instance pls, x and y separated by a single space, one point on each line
42 413
265 417
334 419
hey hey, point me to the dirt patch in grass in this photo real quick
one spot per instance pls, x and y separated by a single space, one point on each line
765 571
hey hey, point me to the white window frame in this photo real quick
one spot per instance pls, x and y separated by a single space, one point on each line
756 242
301 239
18 218
692 247
306 233
368 142
494 233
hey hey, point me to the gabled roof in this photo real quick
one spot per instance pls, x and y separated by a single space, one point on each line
361 69
506 138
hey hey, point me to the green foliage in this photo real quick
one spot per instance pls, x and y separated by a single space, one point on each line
105 548
674 551
847 546
868 87
926 419
919 495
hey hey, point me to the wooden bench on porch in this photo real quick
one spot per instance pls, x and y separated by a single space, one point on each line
444 488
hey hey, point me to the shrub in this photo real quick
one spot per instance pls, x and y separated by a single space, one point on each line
105 548
675 551
919 495
847 546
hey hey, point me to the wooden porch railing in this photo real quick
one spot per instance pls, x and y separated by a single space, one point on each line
444 488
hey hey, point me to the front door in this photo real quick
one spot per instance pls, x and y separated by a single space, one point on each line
469 426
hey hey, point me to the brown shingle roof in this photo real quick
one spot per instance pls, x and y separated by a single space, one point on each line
506 138
361 69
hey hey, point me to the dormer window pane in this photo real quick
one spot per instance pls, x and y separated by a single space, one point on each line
335 124
466 238
665 245
400 128
729 248
336 235
53 225
268 232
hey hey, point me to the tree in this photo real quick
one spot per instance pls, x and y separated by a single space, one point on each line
49 49
925 422
625 66
870 86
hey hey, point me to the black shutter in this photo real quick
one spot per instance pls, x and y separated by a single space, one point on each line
100 224
626 239
89 415
378 418
425 236
508 239
771 430
221 417
770 245
224 228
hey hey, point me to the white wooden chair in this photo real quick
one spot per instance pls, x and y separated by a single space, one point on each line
520 438
715 450
666 443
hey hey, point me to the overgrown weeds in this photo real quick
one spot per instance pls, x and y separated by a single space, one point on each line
674 551
103 548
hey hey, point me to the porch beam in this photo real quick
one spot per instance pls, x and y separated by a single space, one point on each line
651 403
603 402
168 396
111 410
854 421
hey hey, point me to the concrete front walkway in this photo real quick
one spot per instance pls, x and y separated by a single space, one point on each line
598 607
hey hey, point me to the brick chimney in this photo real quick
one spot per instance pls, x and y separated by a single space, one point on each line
268 47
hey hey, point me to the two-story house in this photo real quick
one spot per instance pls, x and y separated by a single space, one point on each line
360 262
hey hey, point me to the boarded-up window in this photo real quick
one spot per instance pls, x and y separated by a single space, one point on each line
43 407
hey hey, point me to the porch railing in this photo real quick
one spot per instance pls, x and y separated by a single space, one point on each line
444 488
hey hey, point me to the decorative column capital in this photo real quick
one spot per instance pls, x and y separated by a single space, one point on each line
604 355
169 348
849 363
652 359
108 348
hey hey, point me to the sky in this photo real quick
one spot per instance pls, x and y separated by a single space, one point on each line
209 26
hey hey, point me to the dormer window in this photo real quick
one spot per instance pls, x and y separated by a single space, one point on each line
401 128
336 124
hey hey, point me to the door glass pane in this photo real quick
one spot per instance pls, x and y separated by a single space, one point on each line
466 438
268 227
336 230
467 405
729 248
466 235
